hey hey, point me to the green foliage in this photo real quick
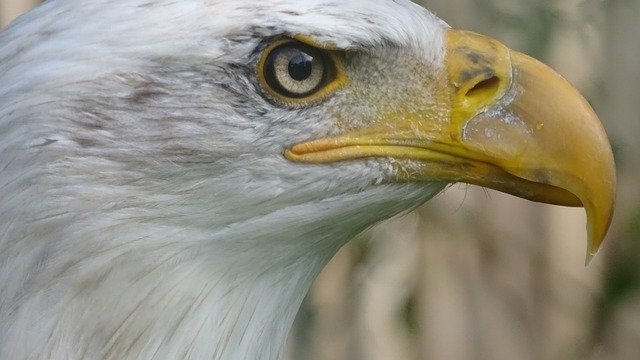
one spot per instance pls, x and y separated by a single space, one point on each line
410 314
536 25
634 226
622 277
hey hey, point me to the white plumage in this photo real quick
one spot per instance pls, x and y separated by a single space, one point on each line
147 210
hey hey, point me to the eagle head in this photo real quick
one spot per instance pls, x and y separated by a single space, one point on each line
174 174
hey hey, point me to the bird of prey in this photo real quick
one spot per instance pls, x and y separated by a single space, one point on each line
174 174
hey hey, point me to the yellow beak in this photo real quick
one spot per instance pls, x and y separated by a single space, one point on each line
501 120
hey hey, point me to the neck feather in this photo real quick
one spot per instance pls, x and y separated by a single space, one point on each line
117 289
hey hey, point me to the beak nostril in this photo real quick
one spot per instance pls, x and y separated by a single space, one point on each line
487 88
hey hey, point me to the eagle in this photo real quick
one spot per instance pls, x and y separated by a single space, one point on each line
174 174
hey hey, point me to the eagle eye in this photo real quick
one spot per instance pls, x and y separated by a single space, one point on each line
295 73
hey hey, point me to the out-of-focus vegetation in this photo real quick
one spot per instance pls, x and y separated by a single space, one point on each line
475 274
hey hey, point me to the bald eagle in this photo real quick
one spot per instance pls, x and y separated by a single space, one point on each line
174 174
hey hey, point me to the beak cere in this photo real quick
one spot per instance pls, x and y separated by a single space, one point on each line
502 120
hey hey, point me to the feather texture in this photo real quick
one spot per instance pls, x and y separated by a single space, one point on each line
147 211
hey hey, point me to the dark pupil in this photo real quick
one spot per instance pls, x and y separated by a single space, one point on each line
301 66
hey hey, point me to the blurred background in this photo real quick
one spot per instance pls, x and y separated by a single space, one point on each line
475 274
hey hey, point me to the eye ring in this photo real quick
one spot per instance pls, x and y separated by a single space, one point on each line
296 70
295 73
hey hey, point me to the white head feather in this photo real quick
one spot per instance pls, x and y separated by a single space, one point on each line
146 208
